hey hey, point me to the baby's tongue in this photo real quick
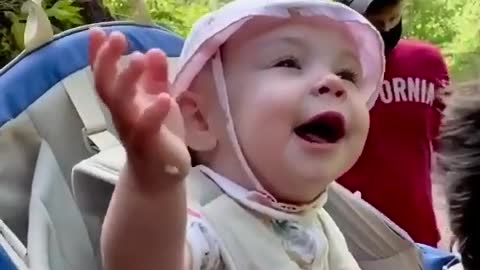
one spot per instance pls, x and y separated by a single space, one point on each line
314 138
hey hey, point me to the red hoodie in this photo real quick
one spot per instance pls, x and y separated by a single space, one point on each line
393 173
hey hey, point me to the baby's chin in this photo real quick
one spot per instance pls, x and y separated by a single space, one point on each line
301 187
298 196
322 168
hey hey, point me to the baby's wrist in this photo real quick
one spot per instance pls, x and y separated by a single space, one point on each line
140 178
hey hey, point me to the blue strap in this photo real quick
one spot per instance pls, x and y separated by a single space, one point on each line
436 259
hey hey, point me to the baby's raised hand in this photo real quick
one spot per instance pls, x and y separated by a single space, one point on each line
144 227
141 107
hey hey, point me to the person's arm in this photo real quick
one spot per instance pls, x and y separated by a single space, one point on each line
145 225
437 71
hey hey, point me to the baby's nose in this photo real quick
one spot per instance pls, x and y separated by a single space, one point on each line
329 86
326 90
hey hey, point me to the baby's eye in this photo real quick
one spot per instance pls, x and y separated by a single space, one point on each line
288 63
348 75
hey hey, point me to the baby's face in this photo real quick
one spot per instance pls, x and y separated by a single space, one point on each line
300 117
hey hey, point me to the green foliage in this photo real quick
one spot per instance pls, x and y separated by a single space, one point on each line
17 28
450 24
176 15
7 46
426 19
63 14
453 26
465 48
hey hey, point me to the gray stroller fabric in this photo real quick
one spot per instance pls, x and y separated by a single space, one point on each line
376 242
50 119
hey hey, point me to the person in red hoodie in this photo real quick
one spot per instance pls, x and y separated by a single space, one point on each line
393 173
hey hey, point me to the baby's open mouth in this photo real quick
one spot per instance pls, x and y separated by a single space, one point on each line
327 127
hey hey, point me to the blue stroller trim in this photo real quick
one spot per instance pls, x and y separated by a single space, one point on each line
5 261
30 75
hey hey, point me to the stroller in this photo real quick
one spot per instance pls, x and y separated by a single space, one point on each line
59 159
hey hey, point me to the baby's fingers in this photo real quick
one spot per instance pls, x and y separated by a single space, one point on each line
105 65
149 123
124 109
96 38
155 78
152 140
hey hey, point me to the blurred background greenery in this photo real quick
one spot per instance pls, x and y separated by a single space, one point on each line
453 25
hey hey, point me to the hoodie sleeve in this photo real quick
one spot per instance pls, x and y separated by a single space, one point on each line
437 73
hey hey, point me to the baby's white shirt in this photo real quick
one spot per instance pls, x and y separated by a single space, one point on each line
304 241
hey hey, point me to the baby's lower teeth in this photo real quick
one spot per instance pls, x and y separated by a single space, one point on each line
314 138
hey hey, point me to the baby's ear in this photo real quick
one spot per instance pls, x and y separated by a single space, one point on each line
198 134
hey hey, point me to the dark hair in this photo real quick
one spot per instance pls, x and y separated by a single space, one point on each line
459 163
379 5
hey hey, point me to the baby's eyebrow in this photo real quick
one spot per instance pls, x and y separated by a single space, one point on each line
293 41
351 57
286 40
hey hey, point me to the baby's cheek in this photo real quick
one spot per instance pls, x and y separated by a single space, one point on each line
360 111
359 126
364 120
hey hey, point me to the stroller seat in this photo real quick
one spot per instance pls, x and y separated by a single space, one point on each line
50 119
56 138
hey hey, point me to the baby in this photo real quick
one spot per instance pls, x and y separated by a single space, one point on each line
272 99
